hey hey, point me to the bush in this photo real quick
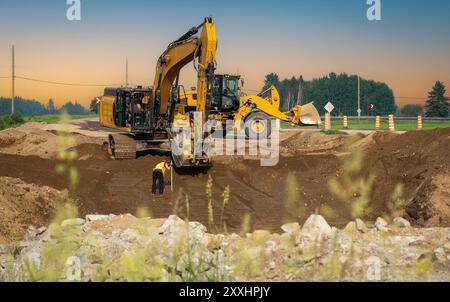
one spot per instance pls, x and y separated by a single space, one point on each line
17 119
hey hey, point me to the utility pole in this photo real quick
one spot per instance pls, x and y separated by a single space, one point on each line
359 97
13 78
300 93
126 74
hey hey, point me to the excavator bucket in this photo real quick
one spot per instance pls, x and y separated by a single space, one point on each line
306 115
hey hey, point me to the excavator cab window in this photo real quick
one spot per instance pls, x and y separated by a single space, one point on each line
225 93
120 109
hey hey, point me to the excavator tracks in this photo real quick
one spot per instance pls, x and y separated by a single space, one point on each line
122 146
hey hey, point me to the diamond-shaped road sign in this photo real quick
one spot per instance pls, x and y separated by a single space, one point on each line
329 107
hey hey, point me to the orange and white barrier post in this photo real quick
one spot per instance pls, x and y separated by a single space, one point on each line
345 122
327 121
419 123
391 123
378 122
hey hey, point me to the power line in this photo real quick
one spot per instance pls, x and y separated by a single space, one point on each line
65 84
5 77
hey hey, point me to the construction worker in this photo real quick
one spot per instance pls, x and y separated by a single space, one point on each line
158 176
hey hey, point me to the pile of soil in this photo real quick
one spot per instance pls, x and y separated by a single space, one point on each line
32 139
23 204
420 161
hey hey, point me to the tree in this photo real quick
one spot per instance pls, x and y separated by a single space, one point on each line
411 110
437 103
74 108
271 79
93 107
51 107
340 89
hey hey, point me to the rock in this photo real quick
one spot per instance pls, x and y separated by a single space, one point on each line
73 222
171 225
361 226
381 224
439 254
317 225
373 268
350 227
260 236
33 233
73 268
291 228
91 218
129 235
401 222
4 249
446 247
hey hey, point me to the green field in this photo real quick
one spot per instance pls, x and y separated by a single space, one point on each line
400 125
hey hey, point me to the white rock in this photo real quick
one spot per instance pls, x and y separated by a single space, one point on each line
350 227
317 225
73 222
401 222
439 253
373 268
291 228
381 224
91 218
73 268
361 226
128 235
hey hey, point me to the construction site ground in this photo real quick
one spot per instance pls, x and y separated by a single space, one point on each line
418 160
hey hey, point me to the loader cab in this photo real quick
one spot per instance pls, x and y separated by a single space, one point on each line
225 93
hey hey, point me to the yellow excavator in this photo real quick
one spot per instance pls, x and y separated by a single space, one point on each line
161 117
153 118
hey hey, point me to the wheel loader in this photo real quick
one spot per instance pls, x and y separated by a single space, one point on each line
256 111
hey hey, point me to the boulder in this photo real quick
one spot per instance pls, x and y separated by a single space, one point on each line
291 228
381 224
361 226
91 218
73 222
317 225
401 222
351 227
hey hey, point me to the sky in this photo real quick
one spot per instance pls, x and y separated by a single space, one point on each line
409 48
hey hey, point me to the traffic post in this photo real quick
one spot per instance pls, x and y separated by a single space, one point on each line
391 123
378 122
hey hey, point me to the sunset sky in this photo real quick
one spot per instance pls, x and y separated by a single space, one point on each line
409 49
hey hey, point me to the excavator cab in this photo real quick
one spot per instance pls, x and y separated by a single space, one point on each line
225 96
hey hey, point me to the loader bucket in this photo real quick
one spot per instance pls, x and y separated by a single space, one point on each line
309 115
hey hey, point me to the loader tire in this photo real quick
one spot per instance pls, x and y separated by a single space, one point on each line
258 126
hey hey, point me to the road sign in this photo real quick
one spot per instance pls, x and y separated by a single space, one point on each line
359 111
329 107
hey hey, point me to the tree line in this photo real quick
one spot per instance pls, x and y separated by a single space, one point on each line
33 107
377 98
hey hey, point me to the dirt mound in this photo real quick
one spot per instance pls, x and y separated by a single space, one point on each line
420 161
22 205
312 142
32 139
91 151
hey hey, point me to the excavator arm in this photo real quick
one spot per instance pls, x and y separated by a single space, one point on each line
201 49
179 53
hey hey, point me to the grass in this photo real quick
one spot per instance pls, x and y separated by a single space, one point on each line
56 118
370 125
16 120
